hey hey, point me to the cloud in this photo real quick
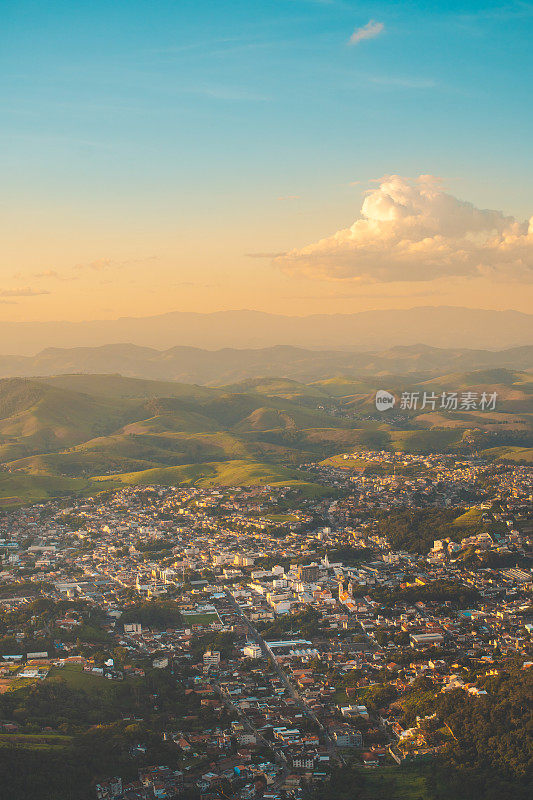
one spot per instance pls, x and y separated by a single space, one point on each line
98 265
52 273
101 264
195 285
22 292
412 230
359 295
49 273
368 31
265 255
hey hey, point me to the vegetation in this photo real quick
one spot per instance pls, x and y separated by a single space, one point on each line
442 591
154 614
59 434
354 783
415 530
490 754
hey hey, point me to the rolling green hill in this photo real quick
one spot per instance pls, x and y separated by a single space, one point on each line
74 433
20 489
116 385
518 454
126 452
278 387
229 473
37 418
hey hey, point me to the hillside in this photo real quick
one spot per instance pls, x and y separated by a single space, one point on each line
36 418
75 432
230 473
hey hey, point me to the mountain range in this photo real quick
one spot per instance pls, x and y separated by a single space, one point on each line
229 365
439 326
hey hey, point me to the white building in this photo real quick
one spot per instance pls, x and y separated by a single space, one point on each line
252 651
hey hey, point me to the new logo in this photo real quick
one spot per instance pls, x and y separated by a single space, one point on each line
384 400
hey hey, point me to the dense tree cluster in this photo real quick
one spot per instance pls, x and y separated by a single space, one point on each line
416 529
440 591
491 754
305 623
153 614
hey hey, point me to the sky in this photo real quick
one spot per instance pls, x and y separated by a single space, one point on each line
290 156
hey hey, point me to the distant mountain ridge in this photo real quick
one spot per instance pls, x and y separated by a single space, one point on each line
230 366
439 326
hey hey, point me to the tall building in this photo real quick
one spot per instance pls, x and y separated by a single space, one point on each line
308 573
211 658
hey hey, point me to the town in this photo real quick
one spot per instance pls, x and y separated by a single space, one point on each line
264 642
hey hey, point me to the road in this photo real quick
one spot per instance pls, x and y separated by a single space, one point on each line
279 755
267 652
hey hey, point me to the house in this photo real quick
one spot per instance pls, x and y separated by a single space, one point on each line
304 760
109 789
425 639
345 736
355 711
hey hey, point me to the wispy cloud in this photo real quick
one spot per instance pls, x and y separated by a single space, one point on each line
368 31
102 264
362 294
99 264
52 273
22 292
265 255
195 285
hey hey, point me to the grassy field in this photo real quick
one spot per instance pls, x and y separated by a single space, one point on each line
343 387
470 519
76 678
433 440
18 488
226 473
126 388
349 464
340 698
279 387
35 741
200 619
510 454
139 447
281 518
397 783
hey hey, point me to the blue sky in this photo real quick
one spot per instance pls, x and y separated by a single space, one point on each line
245 125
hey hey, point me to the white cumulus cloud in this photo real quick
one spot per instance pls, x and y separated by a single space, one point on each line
412 230
368 31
